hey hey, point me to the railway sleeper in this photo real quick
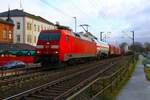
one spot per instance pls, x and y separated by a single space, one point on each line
76 81
50 94
54 90
39 97
29 98
63 86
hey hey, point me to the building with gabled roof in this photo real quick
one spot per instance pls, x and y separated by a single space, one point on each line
27 26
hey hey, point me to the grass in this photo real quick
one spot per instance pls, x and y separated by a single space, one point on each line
147 73
145 61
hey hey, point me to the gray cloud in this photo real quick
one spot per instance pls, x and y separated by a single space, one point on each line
103 15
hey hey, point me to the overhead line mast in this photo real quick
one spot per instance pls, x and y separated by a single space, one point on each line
75 24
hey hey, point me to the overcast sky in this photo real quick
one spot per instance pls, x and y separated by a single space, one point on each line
116 16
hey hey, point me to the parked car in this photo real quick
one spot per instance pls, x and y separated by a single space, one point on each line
13 64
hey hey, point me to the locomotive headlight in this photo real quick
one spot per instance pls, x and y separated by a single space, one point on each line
47 43
38 52
56 52
54 46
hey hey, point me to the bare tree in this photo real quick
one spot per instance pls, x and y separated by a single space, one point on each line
147 46
123 44
138 47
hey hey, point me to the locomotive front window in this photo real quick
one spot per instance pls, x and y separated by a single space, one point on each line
46 36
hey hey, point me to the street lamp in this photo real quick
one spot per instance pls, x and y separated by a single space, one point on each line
101 36
132 38
75 18
133 41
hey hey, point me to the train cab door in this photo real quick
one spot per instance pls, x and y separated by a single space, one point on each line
68 54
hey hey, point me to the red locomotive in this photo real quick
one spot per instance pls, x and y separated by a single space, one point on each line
62 45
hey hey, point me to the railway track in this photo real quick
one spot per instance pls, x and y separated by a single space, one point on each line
23 83
60 88
30 68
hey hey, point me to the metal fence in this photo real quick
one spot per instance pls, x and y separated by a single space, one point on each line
98 87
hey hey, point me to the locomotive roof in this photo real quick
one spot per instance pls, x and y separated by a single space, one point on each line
83 36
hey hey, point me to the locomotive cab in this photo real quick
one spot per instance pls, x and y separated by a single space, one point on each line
63 46
48 46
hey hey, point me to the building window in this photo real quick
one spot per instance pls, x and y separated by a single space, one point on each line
38 28
5 34
18 25
41 27
34 39
29 38
18 38
10 35
29 26
50 27
34 27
